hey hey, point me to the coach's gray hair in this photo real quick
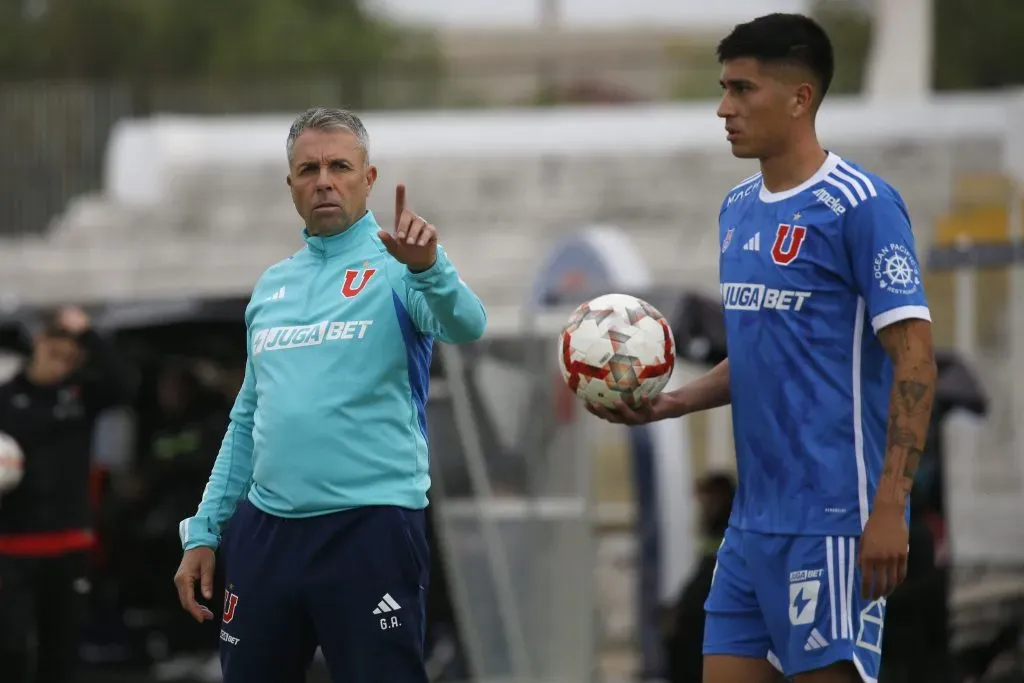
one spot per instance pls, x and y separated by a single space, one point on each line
325 118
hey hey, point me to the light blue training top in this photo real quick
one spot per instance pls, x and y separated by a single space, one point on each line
331 414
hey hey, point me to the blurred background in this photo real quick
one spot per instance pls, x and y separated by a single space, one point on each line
565 148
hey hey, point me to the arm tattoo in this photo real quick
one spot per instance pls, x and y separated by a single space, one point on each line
909 344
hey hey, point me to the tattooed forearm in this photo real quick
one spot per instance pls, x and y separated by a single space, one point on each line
909 344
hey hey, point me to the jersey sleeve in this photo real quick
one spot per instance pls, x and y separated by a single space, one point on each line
884 262
443 306
232 472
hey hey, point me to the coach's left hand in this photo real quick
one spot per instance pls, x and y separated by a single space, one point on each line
883 551
415 241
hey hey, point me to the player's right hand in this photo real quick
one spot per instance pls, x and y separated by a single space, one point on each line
640 413
197 564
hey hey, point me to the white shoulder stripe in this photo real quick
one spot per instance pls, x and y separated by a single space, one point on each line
841 186
851 183
747 181
863 178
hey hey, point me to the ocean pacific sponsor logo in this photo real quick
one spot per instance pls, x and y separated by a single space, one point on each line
745 296
298 336
896 270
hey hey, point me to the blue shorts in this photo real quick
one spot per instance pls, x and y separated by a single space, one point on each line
352 582
794 600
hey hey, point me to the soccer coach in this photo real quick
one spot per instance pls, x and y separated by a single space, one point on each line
323 470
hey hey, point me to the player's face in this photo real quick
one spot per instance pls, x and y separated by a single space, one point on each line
756 106
54 359
330 179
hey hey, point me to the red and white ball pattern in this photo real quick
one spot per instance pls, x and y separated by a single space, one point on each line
616 347
12 462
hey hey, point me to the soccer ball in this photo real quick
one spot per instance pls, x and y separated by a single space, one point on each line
616 347
12 462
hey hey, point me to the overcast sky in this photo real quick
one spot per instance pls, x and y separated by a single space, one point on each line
584 13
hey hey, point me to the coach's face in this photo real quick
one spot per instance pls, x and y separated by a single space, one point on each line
330 178
756 105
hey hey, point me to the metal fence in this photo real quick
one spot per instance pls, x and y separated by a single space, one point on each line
53 139
512 497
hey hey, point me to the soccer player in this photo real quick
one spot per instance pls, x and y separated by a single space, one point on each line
46 529
323 470
830 374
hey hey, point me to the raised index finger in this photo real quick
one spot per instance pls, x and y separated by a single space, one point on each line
399 203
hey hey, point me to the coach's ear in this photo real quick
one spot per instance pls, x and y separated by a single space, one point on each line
371 178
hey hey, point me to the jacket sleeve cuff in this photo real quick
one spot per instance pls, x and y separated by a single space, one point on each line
439 273
195 532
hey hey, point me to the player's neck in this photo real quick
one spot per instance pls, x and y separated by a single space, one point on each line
793 167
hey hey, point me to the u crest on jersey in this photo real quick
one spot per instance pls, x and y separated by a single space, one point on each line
355 280
788 240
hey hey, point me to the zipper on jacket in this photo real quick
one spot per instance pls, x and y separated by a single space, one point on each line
311 290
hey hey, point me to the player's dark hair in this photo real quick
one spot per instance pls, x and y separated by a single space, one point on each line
783 39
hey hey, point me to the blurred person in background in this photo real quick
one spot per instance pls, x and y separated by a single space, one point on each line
177 451
50 408
684 638
180 445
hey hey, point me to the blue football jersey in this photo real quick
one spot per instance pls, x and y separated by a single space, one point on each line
808 277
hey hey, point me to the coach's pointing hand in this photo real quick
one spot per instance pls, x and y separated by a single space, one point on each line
196 564
415 241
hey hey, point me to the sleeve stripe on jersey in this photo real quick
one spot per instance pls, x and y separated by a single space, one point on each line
852 183
852 171
835 182
894 315
745 182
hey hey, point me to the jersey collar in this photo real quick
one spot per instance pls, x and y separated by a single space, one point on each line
326 247
831 161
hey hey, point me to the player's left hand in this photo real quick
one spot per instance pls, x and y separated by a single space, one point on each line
643 411
415 240
883 551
